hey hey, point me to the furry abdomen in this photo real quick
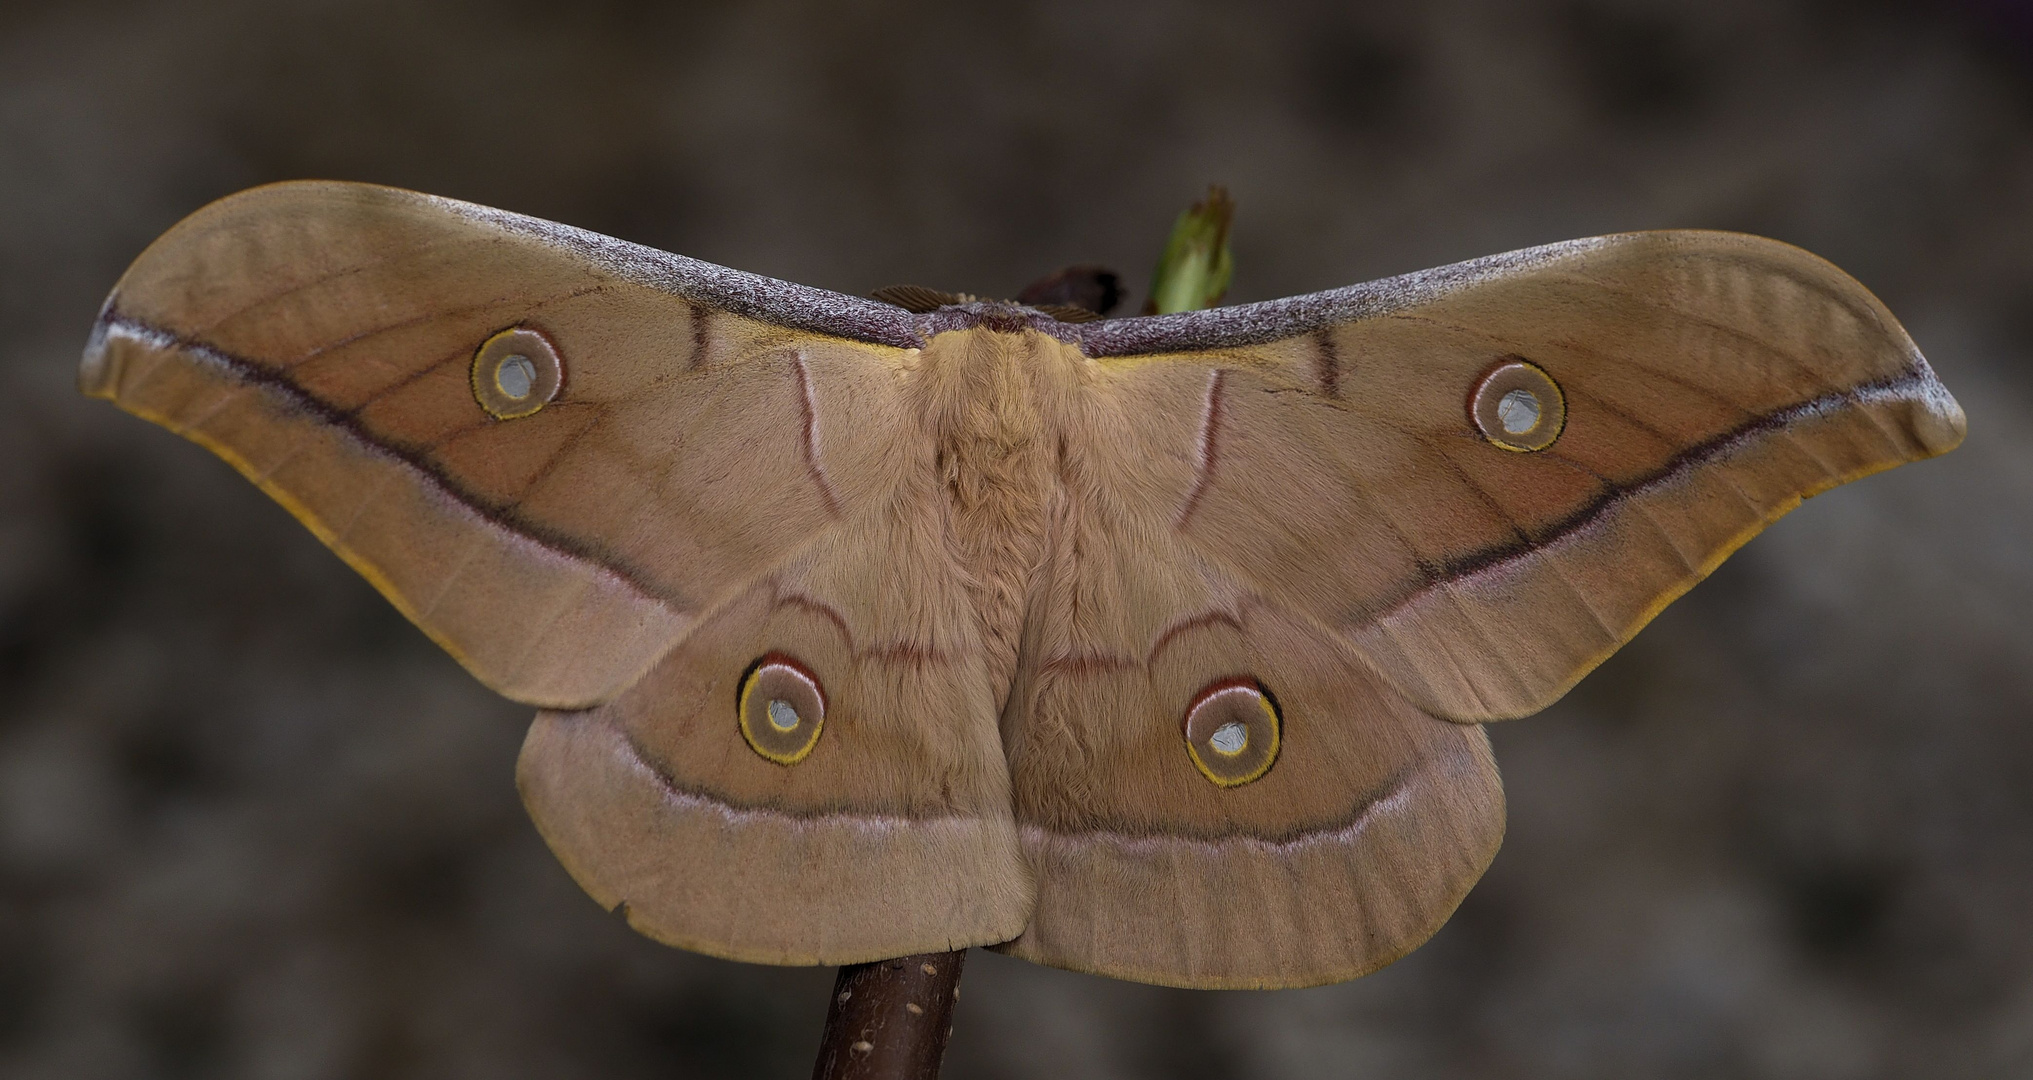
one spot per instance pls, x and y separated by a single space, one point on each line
990 402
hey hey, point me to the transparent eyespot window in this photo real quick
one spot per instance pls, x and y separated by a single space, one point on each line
781 709
1232 730
516 373
1517 406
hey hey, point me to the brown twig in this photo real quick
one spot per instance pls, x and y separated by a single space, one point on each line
889 1020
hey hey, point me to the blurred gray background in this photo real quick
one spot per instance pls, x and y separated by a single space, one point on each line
254 825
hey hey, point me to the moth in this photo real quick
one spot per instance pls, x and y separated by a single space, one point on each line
1154 647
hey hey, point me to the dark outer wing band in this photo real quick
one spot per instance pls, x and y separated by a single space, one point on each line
1918 386
113 325
391 507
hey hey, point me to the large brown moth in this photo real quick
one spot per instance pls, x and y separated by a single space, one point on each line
1155 647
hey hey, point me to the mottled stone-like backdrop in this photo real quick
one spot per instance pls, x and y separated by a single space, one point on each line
254 825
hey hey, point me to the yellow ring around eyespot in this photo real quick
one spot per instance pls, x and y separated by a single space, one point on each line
484 372
1552 399
748 736
1270 756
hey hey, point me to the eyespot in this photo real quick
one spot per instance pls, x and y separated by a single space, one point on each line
1517 406
781 709
516 372
1232 731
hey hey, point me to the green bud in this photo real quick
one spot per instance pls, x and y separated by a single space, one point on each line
1196 267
